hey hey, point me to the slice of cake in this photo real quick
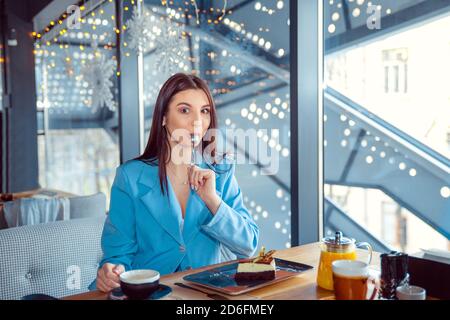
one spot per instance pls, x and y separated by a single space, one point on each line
261 268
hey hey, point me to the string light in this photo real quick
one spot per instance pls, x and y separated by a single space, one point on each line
112 30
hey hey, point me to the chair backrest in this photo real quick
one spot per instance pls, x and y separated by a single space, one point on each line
58 258
88 206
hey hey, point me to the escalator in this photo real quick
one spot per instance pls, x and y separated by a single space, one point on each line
364 151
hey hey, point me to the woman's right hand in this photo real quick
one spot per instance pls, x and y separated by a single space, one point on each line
108 276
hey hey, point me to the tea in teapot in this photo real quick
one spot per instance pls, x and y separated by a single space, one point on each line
336 248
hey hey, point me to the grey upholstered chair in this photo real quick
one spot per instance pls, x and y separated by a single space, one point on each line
88 206
58 258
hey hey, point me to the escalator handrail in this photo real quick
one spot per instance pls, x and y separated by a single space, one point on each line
401 134
369 235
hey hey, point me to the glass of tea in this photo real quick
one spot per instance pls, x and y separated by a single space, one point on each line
351 280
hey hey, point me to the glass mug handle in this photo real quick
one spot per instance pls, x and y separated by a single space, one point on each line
373 281
369 248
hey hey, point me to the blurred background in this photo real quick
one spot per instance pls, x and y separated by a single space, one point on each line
78 82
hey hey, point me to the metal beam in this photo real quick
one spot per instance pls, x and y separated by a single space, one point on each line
191 51
345 13
404 142
346 224
3 122
20 116
251 48
306 22
258 164
395 22
239 6
131 115
88 44
352 156
251 95
218 40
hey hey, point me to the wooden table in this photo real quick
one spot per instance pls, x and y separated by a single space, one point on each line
301 287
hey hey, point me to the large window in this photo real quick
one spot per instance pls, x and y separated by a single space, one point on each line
76 76
2 64
241 48
387 122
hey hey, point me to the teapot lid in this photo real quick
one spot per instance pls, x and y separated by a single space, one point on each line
338 240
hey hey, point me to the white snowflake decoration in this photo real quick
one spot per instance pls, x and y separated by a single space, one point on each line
165 37
98 73
169 46
139 30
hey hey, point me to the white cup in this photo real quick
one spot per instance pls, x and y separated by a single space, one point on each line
407 292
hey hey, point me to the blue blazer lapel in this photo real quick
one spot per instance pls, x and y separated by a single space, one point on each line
196 212
196 215
159 205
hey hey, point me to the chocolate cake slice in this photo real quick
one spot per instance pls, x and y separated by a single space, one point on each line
261 268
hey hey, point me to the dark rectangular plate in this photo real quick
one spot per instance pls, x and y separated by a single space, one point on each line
221 278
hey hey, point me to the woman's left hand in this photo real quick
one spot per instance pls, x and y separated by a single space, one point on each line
203 181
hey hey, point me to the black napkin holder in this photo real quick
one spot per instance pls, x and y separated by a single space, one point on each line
431 273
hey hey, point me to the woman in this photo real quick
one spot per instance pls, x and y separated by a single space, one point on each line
165 213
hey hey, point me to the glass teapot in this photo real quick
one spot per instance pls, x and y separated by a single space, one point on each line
337 248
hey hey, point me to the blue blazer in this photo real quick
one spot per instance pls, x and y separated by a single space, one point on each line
144 230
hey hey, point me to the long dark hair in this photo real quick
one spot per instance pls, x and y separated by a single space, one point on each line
158 150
